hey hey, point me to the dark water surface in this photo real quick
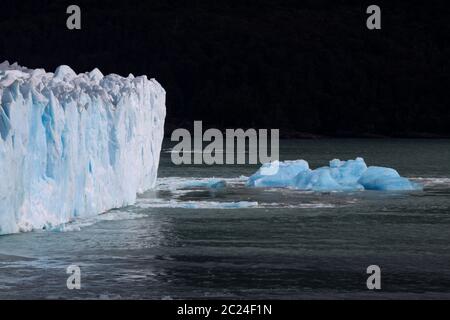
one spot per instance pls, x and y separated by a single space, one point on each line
179 242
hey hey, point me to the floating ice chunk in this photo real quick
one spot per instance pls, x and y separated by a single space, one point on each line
74 145
321 179
369 178
210 184
388 179
347 172
351 175
317 180
277 174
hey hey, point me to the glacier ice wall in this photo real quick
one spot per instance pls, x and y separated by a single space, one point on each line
74 144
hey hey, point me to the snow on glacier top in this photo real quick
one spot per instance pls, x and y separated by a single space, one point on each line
66 84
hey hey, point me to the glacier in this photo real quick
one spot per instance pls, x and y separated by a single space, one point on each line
74 145
351 175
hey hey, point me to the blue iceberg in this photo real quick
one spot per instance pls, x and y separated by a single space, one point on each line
387 179
277 174
351 175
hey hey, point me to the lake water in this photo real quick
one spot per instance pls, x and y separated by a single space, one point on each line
181 242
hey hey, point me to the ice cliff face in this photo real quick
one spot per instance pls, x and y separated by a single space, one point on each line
74 144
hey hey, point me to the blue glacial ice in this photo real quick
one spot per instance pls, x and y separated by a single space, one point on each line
74 145
351 175
278 174
213 183
387 179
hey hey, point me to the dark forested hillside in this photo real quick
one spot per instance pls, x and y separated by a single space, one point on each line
301 66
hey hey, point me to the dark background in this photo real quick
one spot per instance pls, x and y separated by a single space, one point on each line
307 67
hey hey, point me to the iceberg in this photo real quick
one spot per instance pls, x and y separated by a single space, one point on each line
74 145
277 174
387 179
351 175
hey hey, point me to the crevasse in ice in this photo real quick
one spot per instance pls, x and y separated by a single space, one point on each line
74 144
351 175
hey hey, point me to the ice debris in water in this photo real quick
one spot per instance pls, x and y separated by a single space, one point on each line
351 175
209 183
74 145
